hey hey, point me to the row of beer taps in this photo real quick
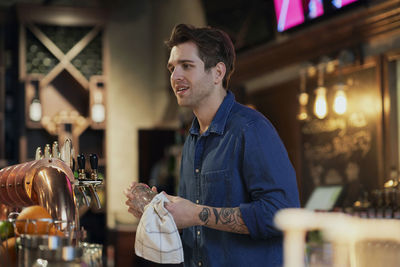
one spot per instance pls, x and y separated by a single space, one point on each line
82 181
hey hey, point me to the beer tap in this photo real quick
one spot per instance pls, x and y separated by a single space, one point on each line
92 182
81 176
67 152
47 151
94 177
38 154
55 151
93 165
81 167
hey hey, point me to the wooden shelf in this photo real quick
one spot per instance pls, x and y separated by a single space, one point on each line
66 58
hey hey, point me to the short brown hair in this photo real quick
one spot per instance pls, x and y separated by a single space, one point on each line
214 46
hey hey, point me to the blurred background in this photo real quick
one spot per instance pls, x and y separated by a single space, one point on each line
326 73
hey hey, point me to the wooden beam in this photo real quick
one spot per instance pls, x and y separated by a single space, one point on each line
61 15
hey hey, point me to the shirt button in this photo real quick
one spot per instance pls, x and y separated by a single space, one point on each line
200 263
197 170
197 201
198 232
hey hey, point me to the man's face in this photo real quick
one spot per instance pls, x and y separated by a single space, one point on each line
192 85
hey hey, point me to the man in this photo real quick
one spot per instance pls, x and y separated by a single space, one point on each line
235 171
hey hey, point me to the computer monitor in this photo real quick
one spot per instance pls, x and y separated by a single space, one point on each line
324 198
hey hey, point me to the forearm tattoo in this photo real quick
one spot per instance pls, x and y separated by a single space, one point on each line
216 215
231 217
204 215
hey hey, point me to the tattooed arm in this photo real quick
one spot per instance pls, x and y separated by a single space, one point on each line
224 219
187 214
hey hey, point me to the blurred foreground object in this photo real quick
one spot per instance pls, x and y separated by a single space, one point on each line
354 242
47 229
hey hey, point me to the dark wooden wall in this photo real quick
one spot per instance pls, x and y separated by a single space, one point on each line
376 21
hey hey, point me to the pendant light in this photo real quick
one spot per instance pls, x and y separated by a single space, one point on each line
340 101
320 105
35 108
98 112
303 97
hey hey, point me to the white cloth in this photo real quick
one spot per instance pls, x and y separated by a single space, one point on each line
157 238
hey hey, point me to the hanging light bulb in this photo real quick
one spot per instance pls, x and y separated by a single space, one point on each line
320 105
303 97
340 102
98 111
35 108
303 100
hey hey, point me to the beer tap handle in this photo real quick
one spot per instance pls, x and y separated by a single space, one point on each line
47 151
38 154
81 161
94 160
55 150
81 166
93 165
67 152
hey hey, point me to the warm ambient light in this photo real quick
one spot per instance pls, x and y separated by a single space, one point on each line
340 102
98 111
320 106
303 101
303 96
35 110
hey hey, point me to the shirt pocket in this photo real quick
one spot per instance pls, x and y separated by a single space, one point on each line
215 189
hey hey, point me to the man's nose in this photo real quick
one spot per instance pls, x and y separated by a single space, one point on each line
176 74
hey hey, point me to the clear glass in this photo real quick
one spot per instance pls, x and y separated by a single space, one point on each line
92 254
142 195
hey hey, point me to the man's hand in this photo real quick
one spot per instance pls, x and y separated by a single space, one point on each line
139 195
185 212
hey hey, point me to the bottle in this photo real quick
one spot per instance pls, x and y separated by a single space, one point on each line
396 204
372 207
365 205
379 208
388 208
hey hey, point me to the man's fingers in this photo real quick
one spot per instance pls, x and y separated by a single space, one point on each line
135 213
170 198
126 192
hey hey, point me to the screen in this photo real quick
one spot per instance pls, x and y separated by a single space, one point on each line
324 197
288 13
291 13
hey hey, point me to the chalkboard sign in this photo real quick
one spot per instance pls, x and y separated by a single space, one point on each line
345 149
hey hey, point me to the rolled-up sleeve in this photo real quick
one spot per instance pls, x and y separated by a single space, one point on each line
269 177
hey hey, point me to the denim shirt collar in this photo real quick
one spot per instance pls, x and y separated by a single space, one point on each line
219 121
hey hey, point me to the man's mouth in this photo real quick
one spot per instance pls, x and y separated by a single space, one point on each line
180 90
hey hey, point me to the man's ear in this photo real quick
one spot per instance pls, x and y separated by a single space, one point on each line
219 72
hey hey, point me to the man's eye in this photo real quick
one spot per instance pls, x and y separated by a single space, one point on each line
171 69
185 66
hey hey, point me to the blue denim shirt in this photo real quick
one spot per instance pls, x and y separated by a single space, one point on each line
239 161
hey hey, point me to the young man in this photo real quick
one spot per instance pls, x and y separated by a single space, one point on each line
235 171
